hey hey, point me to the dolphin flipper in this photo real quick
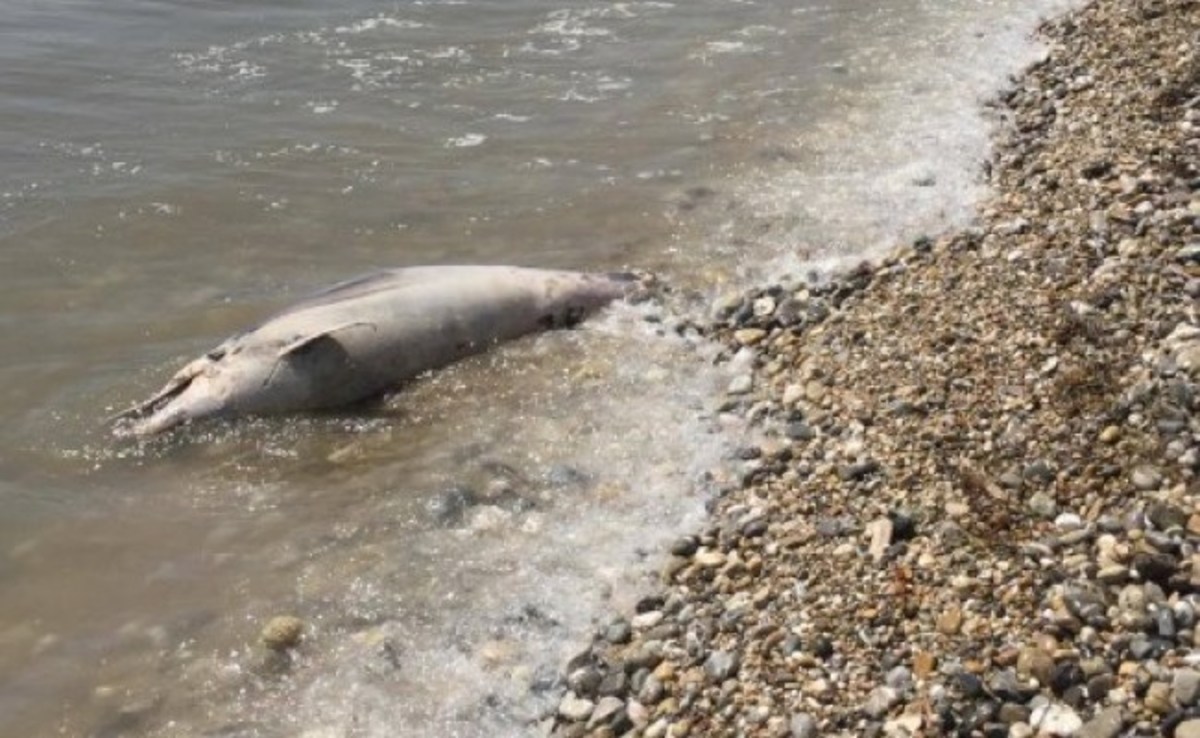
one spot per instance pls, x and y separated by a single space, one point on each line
304 342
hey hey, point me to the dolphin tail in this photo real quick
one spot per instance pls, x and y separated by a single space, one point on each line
637 285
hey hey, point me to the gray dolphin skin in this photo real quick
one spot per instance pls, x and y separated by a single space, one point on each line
359 338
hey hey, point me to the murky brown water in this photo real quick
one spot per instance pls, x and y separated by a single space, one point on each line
170 172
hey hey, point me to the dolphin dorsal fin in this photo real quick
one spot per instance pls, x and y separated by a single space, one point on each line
306 341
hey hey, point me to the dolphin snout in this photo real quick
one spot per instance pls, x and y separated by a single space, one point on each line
189 396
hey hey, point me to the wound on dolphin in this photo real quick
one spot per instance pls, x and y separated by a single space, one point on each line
361 337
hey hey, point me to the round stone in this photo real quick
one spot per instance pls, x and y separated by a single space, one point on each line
1158 698
575 709
721 665
741 384
282 632
1186 687
880 701
1106 724
1188 729
803 725
1146 477
749 336
1053 719
1036 663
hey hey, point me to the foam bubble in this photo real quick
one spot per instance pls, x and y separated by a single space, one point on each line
466 141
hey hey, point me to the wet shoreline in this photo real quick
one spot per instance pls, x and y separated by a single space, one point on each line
975 510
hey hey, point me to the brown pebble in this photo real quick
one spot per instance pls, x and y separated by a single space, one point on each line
1036 663
950 621
923 664
282 632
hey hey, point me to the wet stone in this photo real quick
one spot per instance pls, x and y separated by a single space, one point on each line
749 336
130 717
654 601
644 656
799 431
447 508
282 632
606 710
575 709
618 632
740 385
614 683
685 546
584 681
646 620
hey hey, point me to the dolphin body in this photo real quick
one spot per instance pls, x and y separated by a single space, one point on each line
363 336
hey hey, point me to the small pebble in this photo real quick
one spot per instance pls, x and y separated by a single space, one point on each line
282 632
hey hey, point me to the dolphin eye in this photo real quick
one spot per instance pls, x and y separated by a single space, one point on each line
216 354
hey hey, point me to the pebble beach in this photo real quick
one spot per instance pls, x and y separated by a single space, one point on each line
974 507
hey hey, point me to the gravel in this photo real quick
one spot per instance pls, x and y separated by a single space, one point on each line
976 508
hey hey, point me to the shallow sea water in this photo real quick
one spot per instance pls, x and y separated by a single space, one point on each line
170 172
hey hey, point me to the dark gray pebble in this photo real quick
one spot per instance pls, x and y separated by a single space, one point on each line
1156 568
614 683
800 431
859 470
822 647
618 632
1011 712
585 681
685 546
447 508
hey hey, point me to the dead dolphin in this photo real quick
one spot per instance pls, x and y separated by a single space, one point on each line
364 336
